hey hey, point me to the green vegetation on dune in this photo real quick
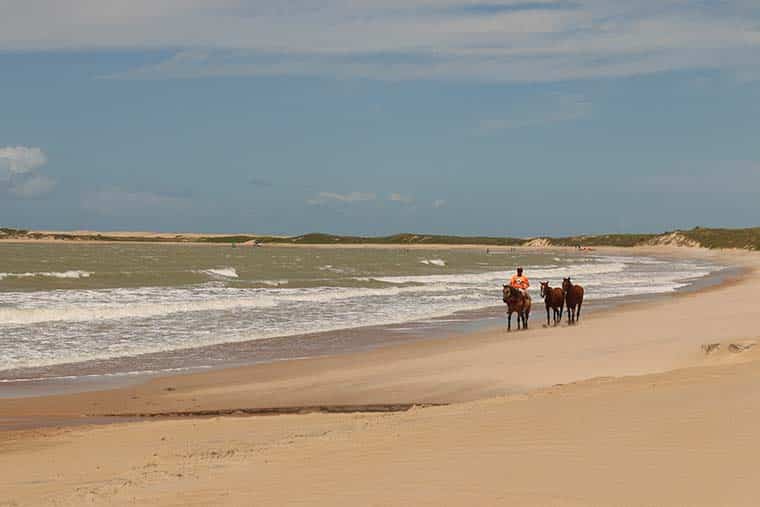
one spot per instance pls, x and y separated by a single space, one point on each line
748 238
622 240
7 231
403 239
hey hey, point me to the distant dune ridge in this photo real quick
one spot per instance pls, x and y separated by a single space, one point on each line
747 238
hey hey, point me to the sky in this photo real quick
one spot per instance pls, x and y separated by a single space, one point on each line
504 117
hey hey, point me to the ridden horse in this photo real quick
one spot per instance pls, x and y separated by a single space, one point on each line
516 302
574 300
554 298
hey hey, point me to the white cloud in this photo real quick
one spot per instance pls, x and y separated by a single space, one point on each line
21 159
501 40
439 203
18 171
33 186
396 197
325 197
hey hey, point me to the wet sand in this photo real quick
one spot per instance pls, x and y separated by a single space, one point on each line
624 408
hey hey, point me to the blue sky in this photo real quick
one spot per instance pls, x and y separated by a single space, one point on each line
502 117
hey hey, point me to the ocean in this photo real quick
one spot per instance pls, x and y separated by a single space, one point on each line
129 308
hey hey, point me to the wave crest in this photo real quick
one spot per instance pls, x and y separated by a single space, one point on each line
226 272
74 273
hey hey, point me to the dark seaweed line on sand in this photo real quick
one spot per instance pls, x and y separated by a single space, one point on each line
300 410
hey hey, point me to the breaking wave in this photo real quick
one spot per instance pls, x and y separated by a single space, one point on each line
220 272
45 327
75 273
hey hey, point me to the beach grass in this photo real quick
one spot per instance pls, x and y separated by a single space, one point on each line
747 239
619 240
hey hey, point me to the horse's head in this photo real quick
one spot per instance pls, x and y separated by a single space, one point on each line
511 294
566 284
544 288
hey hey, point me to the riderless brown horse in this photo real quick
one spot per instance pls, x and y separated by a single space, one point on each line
573 299
516 302
554 298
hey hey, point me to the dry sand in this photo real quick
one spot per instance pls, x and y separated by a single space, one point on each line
644 417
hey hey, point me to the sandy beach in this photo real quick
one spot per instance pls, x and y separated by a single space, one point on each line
629 407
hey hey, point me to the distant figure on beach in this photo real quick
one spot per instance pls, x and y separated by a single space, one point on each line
520 282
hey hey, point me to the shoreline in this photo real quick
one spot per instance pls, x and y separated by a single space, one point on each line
153 389
106 374
627 404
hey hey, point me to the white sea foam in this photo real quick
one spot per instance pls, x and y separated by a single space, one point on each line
74 273
141 303
433 262
490 277
221 272
272 283
106 323
111 311
333 269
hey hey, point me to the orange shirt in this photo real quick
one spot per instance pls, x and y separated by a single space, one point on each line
519 282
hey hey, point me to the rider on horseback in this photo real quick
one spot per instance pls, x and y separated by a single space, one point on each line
520 282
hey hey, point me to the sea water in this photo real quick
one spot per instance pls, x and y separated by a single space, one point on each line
71 303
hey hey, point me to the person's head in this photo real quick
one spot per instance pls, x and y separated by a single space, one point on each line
519 271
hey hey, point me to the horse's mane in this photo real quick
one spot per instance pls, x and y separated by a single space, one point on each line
515 294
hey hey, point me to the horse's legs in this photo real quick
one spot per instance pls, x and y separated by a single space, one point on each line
509 321
560 313
578 314
525 319
547 315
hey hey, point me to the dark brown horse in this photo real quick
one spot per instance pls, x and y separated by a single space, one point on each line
519 303
573 299
554 298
